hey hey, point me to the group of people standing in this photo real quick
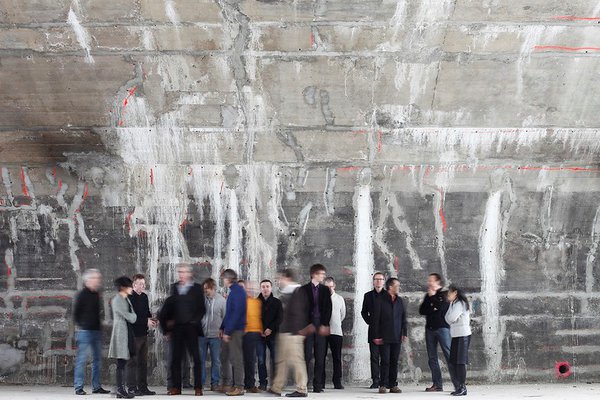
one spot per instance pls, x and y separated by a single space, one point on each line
236 330
447 325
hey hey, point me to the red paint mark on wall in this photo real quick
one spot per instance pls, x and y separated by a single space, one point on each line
562 369
24 183
575 18
183 224
128 219
567 49
129 94
59 186
396 264
348 168
379 142
85 192
443 219
152 176
54 171
312 39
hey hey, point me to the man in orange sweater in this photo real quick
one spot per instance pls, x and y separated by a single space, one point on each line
252 336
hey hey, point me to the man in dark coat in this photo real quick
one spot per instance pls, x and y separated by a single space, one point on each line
272 315
188 311
319 311
368 307
390 327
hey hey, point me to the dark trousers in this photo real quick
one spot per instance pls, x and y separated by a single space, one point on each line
375 362
121 363
137 366
433 337
335 342
249 345
261 357
458 373
315 346
185 337
390 353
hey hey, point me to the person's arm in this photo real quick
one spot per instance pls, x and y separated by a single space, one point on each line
122 308
454 312
276 321
366 310
77 309
342 308
404 321
233 313
327 305
376 321
425 308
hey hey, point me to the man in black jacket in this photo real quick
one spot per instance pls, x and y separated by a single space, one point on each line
137 366
437 330
390 327
188 313
368 306
87 313
272 314
319 311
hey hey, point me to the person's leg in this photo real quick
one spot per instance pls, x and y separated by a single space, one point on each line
452 363
444 339
168 360
97 359
141 353
132 368
431 341
335 343
394 356
281 362
177 340
384 370
226 369
83 341
203 346
461 375
121 363
185 370
296 355
249 360
320 347
214 345
237 361
261 360
309 343
191 344
271 345
375 361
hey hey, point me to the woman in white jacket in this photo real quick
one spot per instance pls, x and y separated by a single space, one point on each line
459 319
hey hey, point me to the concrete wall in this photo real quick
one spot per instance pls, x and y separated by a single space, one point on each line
449 136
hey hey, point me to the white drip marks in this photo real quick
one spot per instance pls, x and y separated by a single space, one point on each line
81 34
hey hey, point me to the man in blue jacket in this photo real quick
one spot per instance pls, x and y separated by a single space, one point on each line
232 330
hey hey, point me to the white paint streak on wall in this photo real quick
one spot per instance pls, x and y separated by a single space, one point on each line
491 248
81 34
7 183
364 268
329 192
171 12
235 233
591 256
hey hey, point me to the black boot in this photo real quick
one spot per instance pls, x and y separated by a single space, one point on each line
123 394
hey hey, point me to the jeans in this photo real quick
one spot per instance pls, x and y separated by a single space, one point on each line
261 356
432 338
375 362
214 346
249 345
86 341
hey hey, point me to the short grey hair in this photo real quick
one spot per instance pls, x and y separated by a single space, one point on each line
184 266
89 273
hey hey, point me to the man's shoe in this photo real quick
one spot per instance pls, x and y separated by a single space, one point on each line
173 392
198 392
382 389
272 392
123 394
317 390
214 388
80 392
262 388
296 394
339 386
374 385
224 389
434 388
252 390
395 389
236 391
460 392
147 392
100 390
186 386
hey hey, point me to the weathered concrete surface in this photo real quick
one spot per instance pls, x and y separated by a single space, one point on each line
453 136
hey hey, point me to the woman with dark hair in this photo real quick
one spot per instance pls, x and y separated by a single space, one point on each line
459 319
121 340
